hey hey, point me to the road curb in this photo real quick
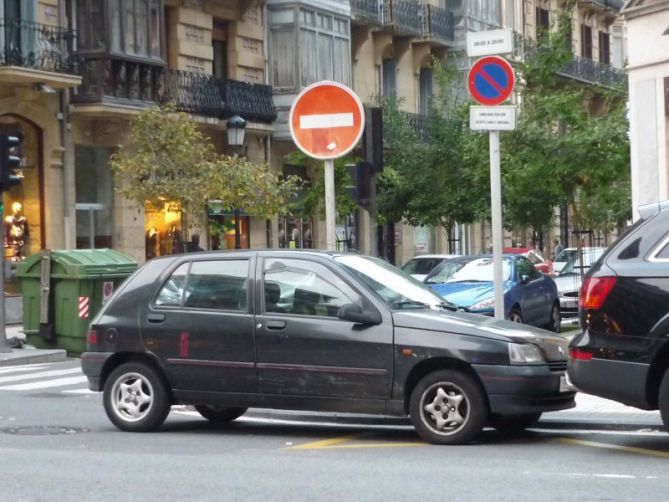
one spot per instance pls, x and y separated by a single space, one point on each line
31 356
351 419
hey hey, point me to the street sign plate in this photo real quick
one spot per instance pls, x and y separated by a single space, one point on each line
485 43
491 80
492 118
326 120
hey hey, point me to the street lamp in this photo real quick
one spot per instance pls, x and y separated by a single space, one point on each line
236 129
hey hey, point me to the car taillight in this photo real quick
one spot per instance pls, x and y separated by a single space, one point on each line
579 354
92 337
595 290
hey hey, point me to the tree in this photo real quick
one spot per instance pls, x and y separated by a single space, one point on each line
168 158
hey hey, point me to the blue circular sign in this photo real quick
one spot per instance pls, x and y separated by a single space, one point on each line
491 80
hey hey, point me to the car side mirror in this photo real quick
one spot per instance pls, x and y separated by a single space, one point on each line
355 313
524 278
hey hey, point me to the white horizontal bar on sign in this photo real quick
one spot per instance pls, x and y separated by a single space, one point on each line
326 121
492 118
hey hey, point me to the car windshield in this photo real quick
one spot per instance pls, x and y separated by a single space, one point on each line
444 272
480 270
565 255
420 265
579 266
390 284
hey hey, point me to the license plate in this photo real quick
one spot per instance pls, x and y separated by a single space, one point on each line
570 304
565 385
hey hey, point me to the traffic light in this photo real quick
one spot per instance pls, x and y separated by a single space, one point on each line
360 173
10 161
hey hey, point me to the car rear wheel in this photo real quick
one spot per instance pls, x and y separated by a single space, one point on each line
515 315
664 399
448 407
135 398
556 320
219 414
510 424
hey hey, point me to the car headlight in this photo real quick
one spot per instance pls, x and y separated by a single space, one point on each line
525 353
485 304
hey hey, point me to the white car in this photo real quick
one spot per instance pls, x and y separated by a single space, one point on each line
567 253
569 282
420 266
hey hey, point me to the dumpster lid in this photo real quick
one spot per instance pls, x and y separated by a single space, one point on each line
77 263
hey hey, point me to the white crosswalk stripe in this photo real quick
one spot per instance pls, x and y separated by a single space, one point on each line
55 377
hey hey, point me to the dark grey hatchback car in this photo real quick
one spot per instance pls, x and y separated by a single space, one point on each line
224 331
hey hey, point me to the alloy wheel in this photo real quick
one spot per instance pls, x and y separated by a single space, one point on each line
444 408
132 397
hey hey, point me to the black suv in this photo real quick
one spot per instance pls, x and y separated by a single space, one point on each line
623 351
224 331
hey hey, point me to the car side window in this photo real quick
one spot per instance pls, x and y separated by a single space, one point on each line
171 293
525 267
303 287
218 284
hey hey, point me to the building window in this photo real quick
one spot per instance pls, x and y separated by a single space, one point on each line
586 41
93 193
134 27
315 47
425 81
604 48
389 78
543 23
220 48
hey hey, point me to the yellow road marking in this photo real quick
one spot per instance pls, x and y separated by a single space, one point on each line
338 443
324 443
629 449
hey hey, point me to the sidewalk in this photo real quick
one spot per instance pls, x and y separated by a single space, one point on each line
27 354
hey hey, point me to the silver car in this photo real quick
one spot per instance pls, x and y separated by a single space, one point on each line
569 281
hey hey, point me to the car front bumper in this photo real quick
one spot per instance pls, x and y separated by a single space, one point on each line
515 390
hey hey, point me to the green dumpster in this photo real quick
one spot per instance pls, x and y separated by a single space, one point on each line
80 280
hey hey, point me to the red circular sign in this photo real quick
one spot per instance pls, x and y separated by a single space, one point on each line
491 80
326 120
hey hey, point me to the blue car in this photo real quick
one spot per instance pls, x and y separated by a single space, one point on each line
530 297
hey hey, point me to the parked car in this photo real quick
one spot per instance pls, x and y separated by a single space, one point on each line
542 265
290 329
566 254
419 266
529 296
623 351
569 281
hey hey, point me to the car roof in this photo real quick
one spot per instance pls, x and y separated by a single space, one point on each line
432 256
252 252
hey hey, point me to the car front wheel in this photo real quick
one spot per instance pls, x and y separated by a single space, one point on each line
448 407
136 398
556 320
515 315
219 414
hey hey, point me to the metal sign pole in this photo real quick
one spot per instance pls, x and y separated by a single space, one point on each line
3 333
496 210
330 228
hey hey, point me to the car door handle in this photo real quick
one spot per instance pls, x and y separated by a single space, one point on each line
155 318
275 325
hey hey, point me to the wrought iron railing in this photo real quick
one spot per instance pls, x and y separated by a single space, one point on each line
403 16
36 46
120 81
616 5
438 23
583 69
366 11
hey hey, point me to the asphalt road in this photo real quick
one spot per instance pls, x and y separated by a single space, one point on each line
57 444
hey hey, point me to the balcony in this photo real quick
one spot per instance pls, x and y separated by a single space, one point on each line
438 24
125 86
365 12
594 72
615 5
32 53
403 17
578 68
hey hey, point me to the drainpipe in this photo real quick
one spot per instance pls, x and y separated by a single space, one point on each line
64 121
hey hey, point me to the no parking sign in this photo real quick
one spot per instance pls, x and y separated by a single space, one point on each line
107 290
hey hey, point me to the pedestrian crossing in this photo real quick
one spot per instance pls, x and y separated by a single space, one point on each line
65 377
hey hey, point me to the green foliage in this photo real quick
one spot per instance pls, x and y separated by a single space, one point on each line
313 196
167 158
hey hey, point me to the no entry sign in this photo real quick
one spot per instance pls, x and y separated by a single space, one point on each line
326 120
491 80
